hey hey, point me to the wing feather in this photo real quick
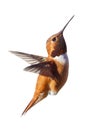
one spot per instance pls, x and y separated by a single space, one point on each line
47 68
30 58
39 64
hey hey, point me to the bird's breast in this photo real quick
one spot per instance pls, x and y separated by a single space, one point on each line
62 59
62 63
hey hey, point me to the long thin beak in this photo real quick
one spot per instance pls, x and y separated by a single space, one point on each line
61 32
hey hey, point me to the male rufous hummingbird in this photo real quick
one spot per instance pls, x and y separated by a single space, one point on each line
52 70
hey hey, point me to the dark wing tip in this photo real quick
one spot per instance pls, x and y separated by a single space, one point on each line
16 52
10 51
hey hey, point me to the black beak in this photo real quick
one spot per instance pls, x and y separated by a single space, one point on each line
61 32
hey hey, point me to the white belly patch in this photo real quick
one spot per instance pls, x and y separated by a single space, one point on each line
63 59
52 92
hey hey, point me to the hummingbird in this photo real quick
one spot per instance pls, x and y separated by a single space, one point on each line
52 70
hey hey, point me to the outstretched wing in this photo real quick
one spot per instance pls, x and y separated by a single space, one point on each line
39 64
47 68
30 58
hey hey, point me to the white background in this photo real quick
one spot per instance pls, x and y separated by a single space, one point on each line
25 26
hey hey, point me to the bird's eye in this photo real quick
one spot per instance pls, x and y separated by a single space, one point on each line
54 39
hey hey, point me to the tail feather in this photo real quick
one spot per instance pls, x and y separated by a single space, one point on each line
34 101
31 104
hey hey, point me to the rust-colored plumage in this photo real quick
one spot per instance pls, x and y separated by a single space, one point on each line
52 70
